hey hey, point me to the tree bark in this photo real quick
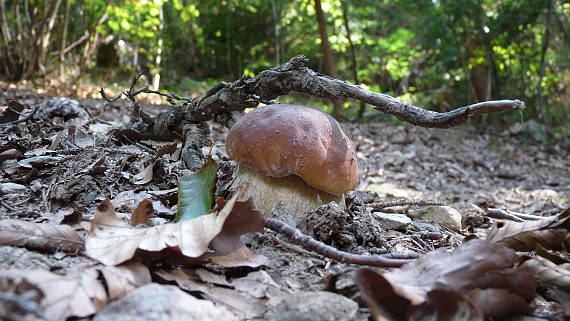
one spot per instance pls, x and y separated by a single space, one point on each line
545 44
64 38
277 32
156 77
47 34
362 106
326 51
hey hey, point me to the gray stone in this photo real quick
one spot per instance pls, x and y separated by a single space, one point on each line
392 221
444 215
313 306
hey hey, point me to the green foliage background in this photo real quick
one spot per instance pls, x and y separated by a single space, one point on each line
438 54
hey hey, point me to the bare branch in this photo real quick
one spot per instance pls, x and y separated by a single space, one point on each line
293 76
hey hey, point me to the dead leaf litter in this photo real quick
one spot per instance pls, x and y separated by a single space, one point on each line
74 176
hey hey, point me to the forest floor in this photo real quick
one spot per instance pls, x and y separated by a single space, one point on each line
58 167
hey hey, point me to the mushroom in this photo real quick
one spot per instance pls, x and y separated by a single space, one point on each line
292 154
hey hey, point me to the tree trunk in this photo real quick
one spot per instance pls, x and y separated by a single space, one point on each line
277 32
326 51
362 107
545 44
47 34
156 78
64 38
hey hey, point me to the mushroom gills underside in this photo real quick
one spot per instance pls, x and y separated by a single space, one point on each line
294 194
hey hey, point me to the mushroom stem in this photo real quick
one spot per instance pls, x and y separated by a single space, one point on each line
295 195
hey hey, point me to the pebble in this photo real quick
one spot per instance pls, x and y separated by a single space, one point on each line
392 221
444 215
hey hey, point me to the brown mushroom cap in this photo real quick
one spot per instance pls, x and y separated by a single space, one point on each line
281 139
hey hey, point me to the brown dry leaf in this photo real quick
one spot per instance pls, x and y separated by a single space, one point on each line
19 297
244 220
142 213
241 303
112 241
478 265
163 302
145 175
550 232
125 278
10 154
44 236
259 284
82 293
240 257
549 273
168 149
71 217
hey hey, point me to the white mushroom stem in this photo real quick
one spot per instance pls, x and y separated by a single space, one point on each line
295 195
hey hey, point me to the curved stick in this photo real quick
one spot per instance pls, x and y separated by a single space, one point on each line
297 237
293 76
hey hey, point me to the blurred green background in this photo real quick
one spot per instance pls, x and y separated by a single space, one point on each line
436 54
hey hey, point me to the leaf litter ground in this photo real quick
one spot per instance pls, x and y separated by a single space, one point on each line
57 169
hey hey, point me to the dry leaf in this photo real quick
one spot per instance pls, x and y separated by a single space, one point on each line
112 241
44 236
142 213
145 175
18 298
524 236
10 154
71 217
477 265
245 219
82 293
163 302
240 257
238 302
125 278
549 273
167 149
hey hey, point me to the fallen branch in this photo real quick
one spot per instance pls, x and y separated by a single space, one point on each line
420 203
297 237
293 76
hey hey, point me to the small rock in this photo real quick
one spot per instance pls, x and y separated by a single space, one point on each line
321 305
393 221
390 190
443 215
155 302
7 188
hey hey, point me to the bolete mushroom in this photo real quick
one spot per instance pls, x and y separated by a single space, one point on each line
292 154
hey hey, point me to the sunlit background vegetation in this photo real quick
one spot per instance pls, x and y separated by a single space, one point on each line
435 54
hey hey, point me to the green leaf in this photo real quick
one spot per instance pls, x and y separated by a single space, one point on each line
195 192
